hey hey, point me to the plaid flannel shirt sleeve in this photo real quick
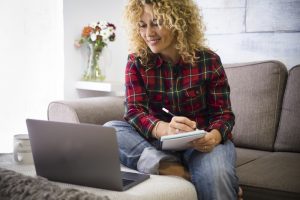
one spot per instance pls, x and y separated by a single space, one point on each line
137 110
221 116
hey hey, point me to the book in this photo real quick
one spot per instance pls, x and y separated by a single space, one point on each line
180 141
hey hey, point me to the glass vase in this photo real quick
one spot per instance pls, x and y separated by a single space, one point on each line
94 72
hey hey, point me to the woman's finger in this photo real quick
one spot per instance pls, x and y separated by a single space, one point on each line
181 125
185 120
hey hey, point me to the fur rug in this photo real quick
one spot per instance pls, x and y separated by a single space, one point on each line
15 186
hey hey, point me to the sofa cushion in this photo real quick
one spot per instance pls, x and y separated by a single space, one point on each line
256 95
288 135
157 187
245 156
278 172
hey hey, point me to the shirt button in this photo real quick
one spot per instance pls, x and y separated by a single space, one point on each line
197 92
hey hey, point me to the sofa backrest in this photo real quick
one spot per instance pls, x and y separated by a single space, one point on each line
256 96
288 135
96 110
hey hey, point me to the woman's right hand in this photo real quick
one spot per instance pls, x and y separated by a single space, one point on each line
178 124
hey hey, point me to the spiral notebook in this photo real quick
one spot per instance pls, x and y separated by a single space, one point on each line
180 141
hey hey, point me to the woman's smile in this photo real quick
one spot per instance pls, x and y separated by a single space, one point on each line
153 41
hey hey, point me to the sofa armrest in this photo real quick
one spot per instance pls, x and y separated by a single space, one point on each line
96 110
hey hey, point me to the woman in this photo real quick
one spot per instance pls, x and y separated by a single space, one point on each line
171 67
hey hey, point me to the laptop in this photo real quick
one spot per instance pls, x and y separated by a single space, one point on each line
81 154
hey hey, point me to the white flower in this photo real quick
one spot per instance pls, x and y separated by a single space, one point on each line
93 25
105 40
111 30
93 37
102 24
106 33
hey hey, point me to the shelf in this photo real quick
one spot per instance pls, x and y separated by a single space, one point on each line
114 87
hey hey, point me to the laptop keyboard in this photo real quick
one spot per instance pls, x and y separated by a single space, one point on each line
127 181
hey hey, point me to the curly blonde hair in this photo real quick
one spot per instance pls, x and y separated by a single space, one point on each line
182 17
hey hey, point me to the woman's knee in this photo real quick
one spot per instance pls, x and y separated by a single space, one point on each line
128 137
115 123
121 127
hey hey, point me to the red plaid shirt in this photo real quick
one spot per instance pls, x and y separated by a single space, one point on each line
199 92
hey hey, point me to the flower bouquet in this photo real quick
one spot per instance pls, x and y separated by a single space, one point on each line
96 36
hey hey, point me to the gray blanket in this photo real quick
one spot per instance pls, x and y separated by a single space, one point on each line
15 186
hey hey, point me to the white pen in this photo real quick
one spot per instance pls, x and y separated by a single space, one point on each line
167 111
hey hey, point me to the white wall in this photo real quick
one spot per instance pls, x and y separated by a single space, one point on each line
250 30
31 63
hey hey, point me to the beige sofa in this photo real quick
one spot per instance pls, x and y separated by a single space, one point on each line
266 101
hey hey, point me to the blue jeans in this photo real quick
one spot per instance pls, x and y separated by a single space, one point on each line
213 174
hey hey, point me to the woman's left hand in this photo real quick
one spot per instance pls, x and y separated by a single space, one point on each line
208 142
